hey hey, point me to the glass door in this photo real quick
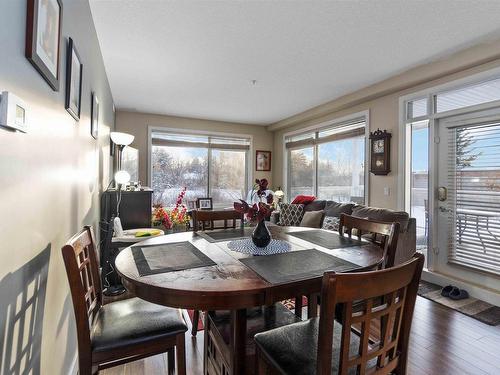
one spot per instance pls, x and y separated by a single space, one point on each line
468 192
417 181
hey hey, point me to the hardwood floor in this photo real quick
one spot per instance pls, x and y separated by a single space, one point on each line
442 342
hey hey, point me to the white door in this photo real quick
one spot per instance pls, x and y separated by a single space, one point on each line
467 196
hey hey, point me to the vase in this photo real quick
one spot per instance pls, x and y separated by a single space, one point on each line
261 235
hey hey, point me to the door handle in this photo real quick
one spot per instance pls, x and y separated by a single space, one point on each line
444 209
442 194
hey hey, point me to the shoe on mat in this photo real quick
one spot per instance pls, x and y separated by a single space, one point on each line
445 292
458 294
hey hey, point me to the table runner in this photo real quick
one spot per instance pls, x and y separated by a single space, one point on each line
327 239
296 265
168 257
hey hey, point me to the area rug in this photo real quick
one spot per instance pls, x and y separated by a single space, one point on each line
473 307
288 303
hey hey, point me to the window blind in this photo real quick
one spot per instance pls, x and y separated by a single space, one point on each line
328 134
480 93
215 142
474 196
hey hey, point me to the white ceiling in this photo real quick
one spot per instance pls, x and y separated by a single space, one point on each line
197 58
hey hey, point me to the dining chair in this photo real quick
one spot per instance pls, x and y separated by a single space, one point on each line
382 233
206 220
117 332
324 346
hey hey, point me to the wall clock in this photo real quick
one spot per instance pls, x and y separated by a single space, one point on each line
380 142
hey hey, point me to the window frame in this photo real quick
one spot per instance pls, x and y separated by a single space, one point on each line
169 130
336 122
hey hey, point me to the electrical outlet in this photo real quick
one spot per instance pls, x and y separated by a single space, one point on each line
387 191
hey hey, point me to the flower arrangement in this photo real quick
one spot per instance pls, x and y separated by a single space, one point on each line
260 189
170 218
255 212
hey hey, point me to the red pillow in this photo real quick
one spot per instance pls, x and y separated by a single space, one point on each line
303 199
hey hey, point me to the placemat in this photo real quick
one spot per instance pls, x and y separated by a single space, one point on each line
296 265
226 234
168 257
246 246
326 239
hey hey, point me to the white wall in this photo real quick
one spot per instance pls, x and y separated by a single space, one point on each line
50 181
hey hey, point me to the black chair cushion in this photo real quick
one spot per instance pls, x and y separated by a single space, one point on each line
293 349
134 321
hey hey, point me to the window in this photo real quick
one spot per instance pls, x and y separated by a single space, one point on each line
416 108
208 166
328 163
480 93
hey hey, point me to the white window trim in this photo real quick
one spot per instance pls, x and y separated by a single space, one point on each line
166 129
336 121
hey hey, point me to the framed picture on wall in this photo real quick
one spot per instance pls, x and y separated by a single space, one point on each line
43 38
263 160
74 71
94 119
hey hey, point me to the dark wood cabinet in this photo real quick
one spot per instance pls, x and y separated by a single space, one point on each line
135 208
135 212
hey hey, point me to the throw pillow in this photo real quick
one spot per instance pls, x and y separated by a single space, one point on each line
331 223
303 199
291 214
312 219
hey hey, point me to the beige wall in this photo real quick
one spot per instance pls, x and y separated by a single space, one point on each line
382 102
50 182
137 124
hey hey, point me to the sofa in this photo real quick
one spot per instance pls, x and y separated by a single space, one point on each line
330 209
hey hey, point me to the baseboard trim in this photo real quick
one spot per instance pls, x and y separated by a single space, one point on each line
474 290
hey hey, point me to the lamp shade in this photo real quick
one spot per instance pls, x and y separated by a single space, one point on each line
279 193
121 139
122 177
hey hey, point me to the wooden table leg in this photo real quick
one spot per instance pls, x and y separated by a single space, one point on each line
238 340
312 305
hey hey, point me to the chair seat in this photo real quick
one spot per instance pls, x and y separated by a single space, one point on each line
293 349
134 321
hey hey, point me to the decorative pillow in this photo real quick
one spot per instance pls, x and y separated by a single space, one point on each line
291 214
331 223
312 219
303 199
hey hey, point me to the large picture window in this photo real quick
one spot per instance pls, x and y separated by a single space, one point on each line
208 166
328 163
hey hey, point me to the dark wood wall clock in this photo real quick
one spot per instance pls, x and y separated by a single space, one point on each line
380 147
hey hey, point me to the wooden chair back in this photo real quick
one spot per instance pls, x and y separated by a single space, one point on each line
205 219
82 269
388 297
382 233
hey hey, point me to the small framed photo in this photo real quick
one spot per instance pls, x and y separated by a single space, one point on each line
191 204
263 160
74 71
43 38
94 119
204 203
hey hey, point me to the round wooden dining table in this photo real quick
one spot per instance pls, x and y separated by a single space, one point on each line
230 285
